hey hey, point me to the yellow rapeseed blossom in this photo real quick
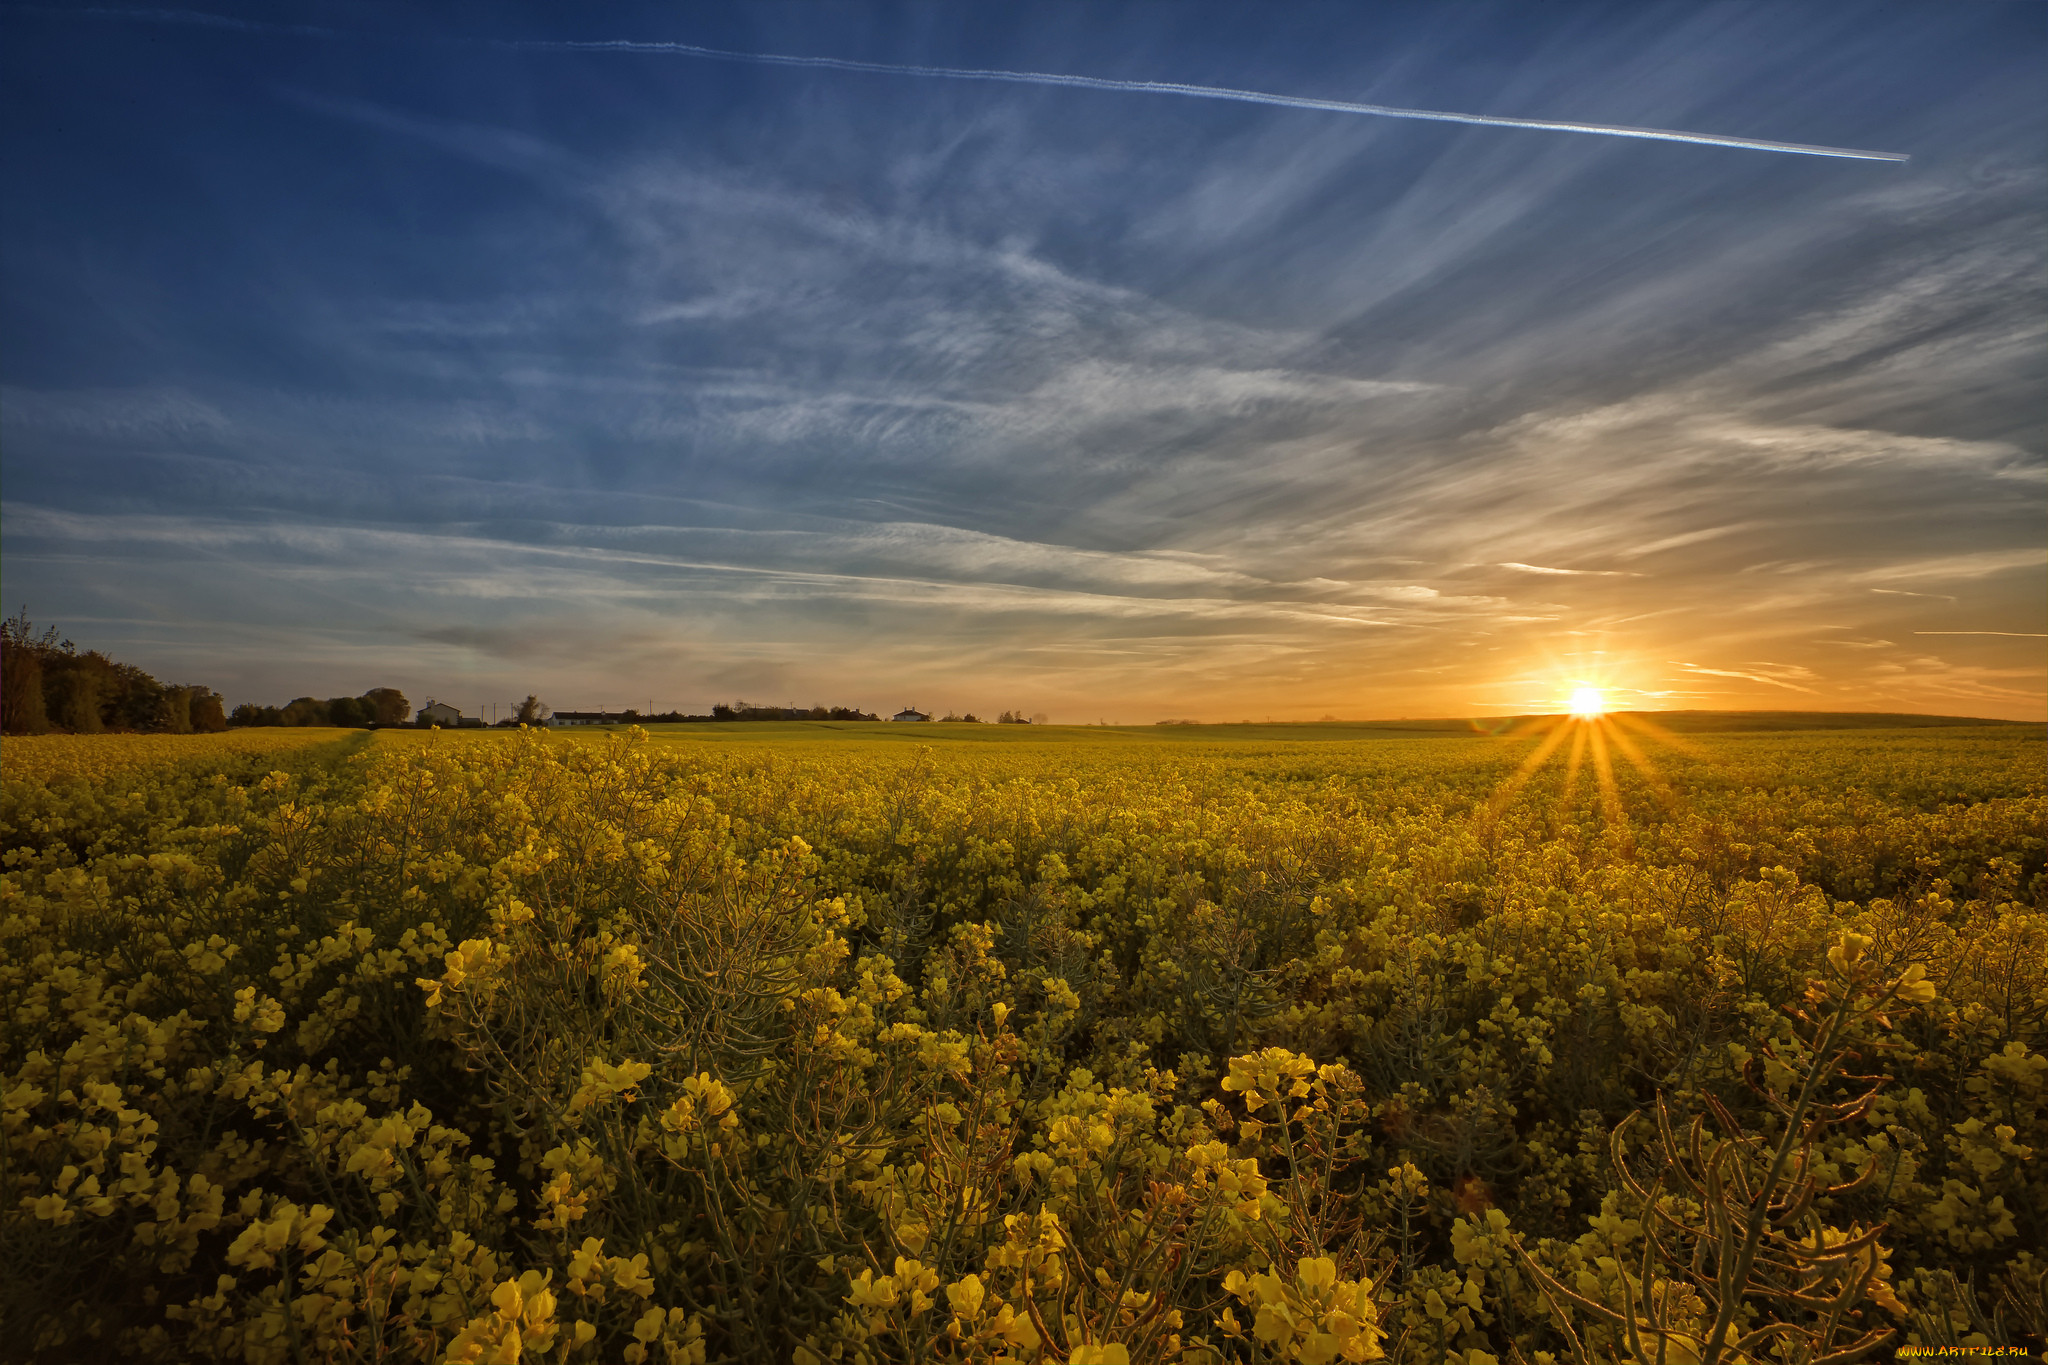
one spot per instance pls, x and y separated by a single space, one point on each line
659 1047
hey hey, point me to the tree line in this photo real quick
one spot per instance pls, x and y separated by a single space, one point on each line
742 710
746 710
47 685
378 706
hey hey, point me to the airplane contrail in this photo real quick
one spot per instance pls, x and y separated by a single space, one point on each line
1206 92
1203 92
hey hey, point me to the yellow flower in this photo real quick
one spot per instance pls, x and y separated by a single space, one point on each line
870 1294
1848 950
1101 1353
966 1297
1316 1274
1914 987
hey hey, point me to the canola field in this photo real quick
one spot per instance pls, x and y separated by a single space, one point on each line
935 1043
113 759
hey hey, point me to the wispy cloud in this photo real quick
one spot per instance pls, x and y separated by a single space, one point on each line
485 144
113 414
1569 573
1979 564
1789 676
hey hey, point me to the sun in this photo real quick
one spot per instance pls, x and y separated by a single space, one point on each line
1598 725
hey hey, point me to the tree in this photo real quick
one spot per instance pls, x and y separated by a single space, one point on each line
532 711
46 684
131 699
72 687
207 716
348 711
176 710
388 706
21 675
306 711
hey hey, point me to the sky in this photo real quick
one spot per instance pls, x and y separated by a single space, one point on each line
356 345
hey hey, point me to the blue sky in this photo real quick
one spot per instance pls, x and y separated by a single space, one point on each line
353 345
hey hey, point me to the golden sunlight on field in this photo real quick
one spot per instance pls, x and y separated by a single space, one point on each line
123 758
1595 736
833 1046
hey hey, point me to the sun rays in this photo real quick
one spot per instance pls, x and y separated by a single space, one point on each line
1591 735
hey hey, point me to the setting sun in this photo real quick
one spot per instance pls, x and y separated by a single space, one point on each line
1588 703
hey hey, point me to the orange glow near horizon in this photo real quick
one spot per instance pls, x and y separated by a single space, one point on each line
1594 730
1585 678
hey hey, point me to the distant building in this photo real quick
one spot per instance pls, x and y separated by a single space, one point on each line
438 713
908 713
583 718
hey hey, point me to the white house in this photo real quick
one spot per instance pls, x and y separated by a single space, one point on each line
908 713
438 713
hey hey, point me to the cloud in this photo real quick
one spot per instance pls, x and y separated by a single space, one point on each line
1980 564
489 145
911 566
137 414
1574 573
1773 675
1685 538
